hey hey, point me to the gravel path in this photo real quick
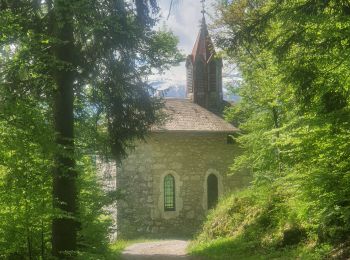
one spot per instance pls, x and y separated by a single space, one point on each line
161 250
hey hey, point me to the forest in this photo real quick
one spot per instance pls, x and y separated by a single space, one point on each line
73 85
294 118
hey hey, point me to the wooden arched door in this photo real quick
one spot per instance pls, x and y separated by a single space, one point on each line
213 190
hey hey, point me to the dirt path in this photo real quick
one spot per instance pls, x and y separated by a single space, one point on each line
161 250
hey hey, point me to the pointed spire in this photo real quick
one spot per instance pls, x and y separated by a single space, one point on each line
204 71
203 8
203 24
204 46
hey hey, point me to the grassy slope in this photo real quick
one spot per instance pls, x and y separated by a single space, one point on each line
256 223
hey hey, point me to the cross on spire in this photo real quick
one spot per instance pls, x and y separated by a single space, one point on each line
203 7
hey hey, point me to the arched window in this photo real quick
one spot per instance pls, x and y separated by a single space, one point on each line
213 191
169 193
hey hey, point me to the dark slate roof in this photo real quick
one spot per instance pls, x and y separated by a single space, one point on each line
184 115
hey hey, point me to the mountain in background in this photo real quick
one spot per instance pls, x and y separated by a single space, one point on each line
169 88
177 89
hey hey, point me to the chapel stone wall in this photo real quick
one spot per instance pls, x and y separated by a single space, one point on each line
190 158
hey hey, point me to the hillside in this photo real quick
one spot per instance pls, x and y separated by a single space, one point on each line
261 223
294 119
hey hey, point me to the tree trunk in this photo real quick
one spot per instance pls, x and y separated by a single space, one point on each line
64 226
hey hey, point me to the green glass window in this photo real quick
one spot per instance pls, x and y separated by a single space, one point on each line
169 193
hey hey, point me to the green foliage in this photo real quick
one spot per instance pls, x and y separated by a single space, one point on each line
25 188
94 217
253 224
102 52
25 195
295 111
294 117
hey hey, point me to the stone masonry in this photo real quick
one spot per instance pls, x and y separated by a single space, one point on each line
190 158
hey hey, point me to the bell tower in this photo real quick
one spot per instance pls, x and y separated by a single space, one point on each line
204 71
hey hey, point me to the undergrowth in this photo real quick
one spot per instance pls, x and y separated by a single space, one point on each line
258 223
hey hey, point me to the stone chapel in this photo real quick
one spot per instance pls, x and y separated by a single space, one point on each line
171 180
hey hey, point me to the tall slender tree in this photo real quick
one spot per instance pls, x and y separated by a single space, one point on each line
64 227
78 57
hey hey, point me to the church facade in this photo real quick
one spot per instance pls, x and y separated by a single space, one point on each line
170 181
